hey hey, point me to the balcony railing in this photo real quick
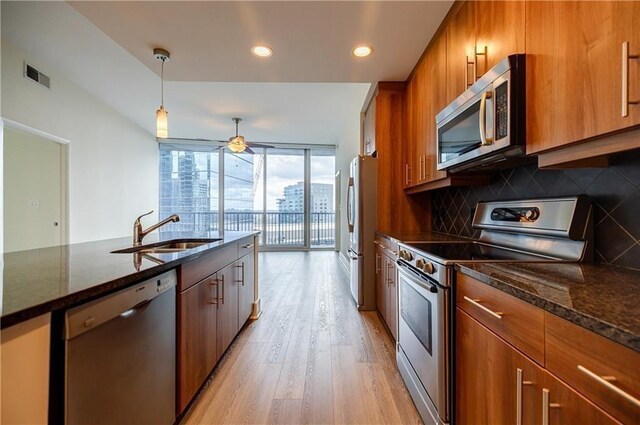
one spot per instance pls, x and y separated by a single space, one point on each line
281 228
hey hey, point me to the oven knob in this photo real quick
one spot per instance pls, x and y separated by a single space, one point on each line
428 268
408 256
420 263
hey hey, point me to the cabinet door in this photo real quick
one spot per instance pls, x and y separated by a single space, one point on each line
495 384
228 306
391 297
460 49
562 405
499 30
197 351
381 295
436 100
574 70
246 270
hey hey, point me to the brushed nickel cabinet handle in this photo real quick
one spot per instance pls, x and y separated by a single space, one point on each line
466 73
546 405
625 78
377 263
247 246
475 65
496 314
242 278
389 267
519 384
605 381
407 180
222 298
214 300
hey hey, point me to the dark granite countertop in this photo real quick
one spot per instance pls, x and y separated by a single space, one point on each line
601 298
43 280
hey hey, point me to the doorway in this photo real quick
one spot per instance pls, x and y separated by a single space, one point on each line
34 192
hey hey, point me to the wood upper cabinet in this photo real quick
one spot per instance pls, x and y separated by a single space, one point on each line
496 384
197 336
480 35
461 42
227 306
246 270
575 70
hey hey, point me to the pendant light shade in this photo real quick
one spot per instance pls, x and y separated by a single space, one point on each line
162 116
162 123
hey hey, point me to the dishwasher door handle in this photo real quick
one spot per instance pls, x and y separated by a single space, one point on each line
138 308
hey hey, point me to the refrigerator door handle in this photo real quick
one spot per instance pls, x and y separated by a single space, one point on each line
350 205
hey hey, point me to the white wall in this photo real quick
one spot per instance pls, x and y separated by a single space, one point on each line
348 148
113 163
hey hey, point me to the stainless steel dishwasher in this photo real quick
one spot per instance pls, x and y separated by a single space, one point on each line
121 356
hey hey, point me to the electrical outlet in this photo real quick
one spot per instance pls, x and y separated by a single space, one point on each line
34 204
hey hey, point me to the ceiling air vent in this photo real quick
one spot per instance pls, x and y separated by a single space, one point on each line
35 75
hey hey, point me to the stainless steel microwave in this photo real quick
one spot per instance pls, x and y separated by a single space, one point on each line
485 125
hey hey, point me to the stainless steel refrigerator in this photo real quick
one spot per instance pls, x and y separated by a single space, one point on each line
361 218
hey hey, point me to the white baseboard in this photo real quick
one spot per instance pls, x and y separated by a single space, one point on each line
345 263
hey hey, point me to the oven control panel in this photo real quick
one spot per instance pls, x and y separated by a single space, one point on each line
418 262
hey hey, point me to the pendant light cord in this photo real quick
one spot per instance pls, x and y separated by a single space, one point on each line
162 83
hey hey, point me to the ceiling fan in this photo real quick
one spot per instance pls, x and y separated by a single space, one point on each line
235 143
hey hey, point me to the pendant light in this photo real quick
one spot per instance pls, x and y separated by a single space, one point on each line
162 116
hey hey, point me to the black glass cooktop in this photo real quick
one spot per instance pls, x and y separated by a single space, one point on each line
473 251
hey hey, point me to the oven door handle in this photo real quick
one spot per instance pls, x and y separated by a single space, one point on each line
416 278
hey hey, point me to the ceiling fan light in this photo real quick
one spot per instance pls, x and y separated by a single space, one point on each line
236 147
162 123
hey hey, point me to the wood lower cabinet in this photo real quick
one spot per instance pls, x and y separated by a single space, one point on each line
197 337
387 289
212 311
227 306
496 384
575 82
246 269
487 378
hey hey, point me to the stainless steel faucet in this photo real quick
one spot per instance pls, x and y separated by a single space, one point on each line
139 234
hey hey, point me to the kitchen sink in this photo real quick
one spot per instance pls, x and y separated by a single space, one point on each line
176 245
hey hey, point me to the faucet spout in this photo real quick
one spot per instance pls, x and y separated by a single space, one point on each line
139 234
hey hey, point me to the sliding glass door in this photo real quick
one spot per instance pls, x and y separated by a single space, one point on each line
287 194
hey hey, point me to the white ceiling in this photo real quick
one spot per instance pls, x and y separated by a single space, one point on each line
201 105
312 40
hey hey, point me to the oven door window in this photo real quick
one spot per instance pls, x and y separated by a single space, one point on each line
416 313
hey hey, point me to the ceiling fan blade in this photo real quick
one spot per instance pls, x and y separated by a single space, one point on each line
247 149
187 139
259 145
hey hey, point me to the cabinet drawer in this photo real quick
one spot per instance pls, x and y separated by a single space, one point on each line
582 358
519 323
245 246
389 246
194 271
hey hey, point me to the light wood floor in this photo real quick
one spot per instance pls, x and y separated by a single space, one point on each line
311 358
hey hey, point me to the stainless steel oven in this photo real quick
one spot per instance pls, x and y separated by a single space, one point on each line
423 330
485 124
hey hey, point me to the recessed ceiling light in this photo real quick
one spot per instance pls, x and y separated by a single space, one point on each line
262 50
362 51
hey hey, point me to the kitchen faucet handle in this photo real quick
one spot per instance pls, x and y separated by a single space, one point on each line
138 219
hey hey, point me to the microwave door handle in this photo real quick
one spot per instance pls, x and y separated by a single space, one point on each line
483 119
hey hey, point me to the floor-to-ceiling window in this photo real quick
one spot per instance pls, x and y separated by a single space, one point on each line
286 193
189 187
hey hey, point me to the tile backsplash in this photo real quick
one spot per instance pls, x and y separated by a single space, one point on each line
615 192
